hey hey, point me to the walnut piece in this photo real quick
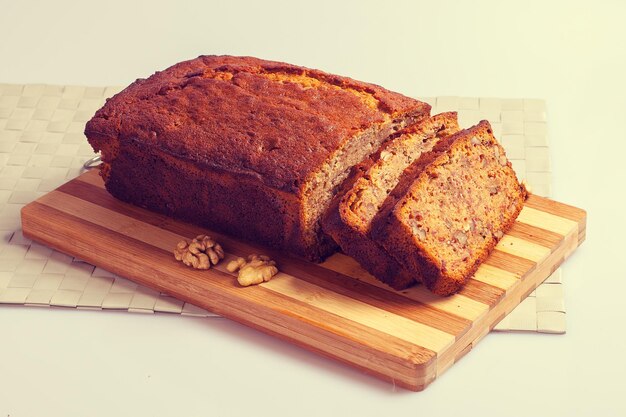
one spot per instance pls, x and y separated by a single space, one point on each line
257 269
235 265
500 157
460 237
201 253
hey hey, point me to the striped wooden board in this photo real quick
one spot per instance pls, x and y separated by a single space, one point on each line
335 308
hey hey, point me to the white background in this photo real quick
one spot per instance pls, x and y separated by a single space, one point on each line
75 363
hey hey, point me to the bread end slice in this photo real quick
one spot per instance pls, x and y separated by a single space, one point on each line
463 200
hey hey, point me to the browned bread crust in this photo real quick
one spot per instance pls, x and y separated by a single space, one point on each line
348 221
444 218
250 147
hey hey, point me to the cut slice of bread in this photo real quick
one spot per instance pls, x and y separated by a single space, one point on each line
462 198
350 216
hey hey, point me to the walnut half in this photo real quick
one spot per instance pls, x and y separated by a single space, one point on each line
201 253
257 269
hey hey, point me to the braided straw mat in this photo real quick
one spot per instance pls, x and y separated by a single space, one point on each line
42 146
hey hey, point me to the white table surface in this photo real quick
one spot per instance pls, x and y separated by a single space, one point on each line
57 362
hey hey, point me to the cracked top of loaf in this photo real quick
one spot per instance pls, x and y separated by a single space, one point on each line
273 121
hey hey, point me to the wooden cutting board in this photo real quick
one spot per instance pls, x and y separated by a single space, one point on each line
334 308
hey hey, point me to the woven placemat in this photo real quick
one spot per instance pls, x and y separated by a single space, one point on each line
42 146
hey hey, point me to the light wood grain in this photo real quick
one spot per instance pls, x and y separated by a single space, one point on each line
334 308
496 277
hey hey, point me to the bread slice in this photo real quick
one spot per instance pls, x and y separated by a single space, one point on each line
249 147
462 198
349 218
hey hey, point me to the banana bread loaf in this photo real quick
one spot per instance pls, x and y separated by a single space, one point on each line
249 147
348 221
446 217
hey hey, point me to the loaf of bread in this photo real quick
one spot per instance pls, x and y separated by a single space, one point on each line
349 219
302 160
443 219
253 148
